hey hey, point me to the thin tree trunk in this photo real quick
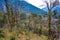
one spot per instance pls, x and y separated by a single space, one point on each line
8 12
56 32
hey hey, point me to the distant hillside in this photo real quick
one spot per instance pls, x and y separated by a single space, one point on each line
26 7
55 8
29 8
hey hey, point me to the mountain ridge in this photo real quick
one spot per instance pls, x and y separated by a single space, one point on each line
57 7
28 8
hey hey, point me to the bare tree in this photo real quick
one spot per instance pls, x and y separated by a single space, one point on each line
7 8
50 6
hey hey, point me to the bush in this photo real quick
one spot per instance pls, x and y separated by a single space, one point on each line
12 37
59 28
2 33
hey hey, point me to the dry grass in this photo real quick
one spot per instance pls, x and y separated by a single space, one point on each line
23 36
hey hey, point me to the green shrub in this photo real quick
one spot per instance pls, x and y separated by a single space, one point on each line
2 33
12 37
59 28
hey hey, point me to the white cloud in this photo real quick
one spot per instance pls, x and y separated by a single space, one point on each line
37 3
59 0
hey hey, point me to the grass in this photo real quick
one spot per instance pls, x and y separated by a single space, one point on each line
24 35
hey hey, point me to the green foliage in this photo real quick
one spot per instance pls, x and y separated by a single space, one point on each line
40 17
1 14
59 27
59 16
1 17
0 20
26 32
23 16
12 37
2 33
1 39
55 12
34 14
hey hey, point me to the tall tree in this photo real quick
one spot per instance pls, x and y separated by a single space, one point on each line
49 6
7 8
